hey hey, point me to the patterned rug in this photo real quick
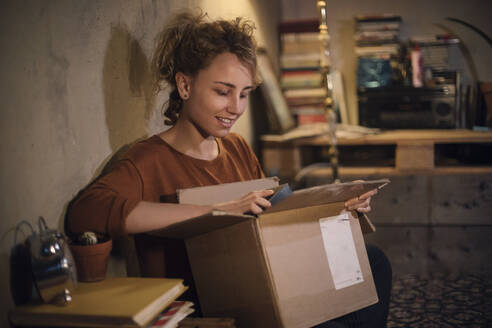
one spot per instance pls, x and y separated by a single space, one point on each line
441 300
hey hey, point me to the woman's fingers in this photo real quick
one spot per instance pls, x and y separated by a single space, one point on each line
266 192
258 193
263 202
253 202
368 194
356 204
364 209
361 203
257 200
255 209
349 204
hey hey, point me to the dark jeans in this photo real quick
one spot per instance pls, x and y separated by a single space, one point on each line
373 316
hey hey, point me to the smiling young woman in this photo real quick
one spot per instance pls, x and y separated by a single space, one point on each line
210 69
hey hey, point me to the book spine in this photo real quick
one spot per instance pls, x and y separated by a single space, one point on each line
306 101
389 50
376 26
308 110
301 47
315 92
299 26
416 59
377 18
299 37
304 119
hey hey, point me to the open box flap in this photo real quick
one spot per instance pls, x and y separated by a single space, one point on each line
330 193
223 192
214 220
201 224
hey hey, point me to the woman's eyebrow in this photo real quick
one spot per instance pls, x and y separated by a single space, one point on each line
232 86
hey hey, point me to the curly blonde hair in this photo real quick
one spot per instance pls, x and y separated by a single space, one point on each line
189 43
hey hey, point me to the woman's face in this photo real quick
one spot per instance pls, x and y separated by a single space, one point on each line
218 96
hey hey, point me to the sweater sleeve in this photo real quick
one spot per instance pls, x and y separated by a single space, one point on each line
104 206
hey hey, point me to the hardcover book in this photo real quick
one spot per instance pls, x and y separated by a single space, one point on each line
173 315
113 302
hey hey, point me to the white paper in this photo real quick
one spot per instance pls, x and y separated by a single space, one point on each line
340 250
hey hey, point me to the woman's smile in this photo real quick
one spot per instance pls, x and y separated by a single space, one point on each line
226 122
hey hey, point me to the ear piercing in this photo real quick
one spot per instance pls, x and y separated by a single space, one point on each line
185 96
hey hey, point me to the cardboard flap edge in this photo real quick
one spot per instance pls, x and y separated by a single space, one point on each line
324 194
201 224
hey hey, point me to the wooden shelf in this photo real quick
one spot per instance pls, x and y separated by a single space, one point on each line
398 136
414 152
391 171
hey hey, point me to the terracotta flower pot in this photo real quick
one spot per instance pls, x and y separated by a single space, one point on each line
91 260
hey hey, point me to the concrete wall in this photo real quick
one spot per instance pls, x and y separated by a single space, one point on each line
420 17
75 87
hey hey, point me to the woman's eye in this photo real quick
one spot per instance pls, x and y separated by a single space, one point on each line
244 95
221 92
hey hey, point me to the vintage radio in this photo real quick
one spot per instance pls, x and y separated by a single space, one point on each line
408 108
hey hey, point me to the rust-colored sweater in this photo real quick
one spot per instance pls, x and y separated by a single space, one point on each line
152 171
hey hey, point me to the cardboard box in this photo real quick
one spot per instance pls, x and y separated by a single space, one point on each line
300 263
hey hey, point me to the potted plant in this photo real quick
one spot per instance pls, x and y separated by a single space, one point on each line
91 254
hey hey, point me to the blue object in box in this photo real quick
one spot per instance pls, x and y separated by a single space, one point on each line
373 73
280 193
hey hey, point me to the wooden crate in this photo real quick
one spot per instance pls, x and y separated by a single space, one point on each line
415 152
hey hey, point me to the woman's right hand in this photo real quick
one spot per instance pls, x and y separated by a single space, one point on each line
254 202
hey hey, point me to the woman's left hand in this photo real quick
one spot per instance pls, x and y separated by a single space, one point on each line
362 203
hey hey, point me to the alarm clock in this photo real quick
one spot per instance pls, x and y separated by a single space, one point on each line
52 265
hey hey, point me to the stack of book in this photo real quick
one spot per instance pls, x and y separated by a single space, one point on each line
377 36
301 78
173 315
435 49
113 302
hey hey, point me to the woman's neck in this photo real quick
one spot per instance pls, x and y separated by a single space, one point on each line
187 139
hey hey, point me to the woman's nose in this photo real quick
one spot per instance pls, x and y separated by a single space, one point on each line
234 106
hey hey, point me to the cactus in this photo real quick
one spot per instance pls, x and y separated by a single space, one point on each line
88 238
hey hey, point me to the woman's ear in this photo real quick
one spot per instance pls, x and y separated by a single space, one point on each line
183 84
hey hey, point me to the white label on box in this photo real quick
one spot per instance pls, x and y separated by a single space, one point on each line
340 250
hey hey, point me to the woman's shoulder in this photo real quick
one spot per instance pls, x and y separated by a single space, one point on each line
144 150
234 139
237 147
236 144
